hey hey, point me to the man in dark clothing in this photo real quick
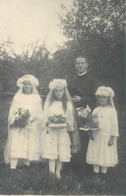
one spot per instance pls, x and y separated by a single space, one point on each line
82 88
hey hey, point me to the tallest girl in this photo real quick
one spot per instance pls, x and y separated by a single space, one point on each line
23 141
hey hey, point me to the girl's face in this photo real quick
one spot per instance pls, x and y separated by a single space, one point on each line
59 92
103 100
27 87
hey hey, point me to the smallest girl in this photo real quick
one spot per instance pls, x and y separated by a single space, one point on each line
102 148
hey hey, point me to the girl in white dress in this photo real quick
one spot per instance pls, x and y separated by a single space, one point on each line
24 143
102 148
55 142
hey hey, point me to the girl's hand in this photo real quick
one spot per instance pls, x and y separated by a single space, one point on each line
70 128
47 124
92 137
111 141
34 119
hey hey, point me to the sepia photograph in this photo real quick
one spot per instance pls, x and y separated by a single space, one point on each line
62 97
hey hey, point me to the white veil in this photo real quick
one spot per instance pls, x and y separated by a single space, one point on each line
75 138
34 82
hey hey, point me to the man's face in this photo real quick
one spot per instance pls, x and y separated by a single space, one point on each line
81 65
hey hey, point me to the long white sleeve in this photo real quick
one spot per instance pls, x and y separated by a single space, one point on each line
114 123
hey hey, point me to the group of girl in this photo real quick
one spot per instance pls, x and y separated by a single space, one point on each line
39 140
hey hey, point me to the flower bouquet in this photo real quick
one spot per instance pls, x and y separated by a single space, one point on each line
20 119
57 121
93 125
84 117
90 121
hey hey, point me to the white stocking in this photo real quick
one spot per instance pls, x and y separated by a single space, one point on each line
27 162
58 168
96 168
13 163
52 166
103 169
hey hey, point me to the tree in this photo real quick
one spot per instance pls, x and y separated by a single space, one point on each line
103 19
33 60
97 28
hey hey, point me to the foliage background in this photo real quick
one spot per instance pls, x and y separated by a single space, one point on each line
94 28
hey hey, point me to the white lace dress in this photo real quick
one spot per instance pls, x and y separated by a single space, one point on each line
55 142
25 144
98 152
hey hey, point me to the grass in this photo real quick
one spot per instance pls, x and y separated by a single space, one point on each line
36 179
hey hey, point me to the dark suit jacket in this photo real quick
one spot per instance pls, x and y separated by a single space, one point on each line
84 86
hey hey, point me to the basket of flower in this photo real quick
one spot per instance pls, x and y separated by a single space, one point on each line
57 121
20 119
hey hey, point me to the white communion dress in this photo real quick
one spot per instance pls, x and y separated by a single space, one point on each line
25 144
98 152
55 142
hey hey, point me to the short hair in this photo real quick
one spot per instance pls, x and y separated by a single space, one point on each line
81 56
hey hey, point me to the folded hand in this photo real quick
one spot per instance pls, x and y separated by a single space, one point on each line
76 99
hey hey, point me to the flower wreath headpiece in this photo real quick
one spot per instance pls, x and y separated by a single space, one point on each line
30 78
106 91
57 83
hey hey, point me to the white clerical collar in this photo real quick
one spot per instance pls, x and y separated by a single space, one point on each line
82 74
